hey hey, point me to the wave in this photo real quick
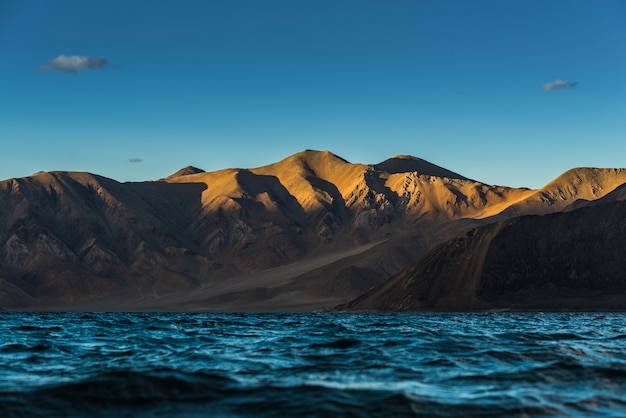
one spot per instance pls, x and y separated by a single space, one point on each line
167 394
351 365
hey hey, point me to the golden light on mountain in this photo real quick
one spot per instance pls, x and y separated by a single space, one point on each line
306 232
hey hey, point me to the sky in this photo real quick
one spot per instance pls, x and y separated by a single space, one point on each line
505 92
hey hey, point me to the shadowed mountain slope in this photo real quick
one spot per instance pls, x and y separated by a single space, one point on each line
71 236
570 260
309 231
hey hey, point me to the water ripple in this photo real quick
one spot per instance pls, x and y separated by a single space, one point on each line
350 365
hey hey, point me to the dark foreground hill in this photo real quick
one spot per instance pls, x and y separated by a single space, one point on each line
307 232
572 260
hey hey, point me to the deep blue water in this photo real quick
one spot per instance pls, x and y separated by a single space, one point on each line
289 365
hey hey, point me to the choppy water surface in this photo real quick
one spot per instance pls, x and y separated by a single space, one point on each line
494 364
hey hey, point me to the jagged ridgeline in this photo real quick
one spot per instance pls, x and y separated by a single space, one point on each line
307 232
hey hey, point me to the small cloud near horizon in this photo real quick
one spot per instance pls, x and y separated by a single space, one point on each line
74 64
135 160
559 85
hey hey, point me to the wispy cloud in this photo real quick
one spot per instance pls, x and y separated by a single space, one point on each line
135 160
74 64
559 85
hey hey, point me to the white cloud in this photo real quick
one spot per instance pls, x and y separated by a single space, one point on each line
74 63
558 85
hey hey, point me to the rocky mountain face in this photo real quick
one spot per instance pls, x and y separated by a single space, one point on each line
570 260
307 232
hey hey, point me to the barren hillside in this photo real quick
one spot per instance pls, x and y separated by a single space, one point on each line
309 231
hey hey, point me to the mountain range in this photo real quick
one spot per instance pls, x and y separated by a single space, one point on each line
309 232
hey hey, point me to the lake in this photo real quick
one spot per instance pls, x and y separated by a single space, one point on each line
317 365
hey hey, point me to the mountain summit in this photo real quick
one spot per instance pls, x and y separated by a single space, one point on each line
408 164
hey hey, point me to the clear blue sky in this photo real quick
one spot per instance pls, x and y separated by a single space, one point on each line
94 85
